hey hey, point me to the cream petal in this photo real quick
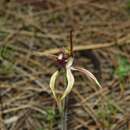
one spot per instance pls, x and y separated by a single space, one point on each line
69 63
53 82
70 80
88 74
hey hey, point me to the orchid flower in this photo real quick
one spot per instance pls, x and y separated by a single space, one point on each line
65 61
67 64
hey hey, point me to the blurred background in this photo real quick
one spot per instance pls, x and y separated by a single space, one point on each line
30 30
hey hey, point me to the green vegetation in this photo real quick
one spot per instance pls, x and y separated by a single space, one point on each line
123 68
50 114
6 68
2 34
41 129
128 4
5 52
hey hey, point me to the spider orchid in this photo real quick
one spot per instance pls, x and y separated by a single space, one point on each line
65 61
67 64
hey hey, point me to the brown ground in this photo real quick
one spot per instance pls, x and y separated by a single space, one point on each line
101 41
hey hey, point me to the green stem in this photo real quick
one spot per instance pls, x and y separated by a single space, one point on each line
62 110
63 114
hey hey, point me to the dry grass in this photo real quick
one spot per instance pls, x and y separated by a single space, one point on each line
28 34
